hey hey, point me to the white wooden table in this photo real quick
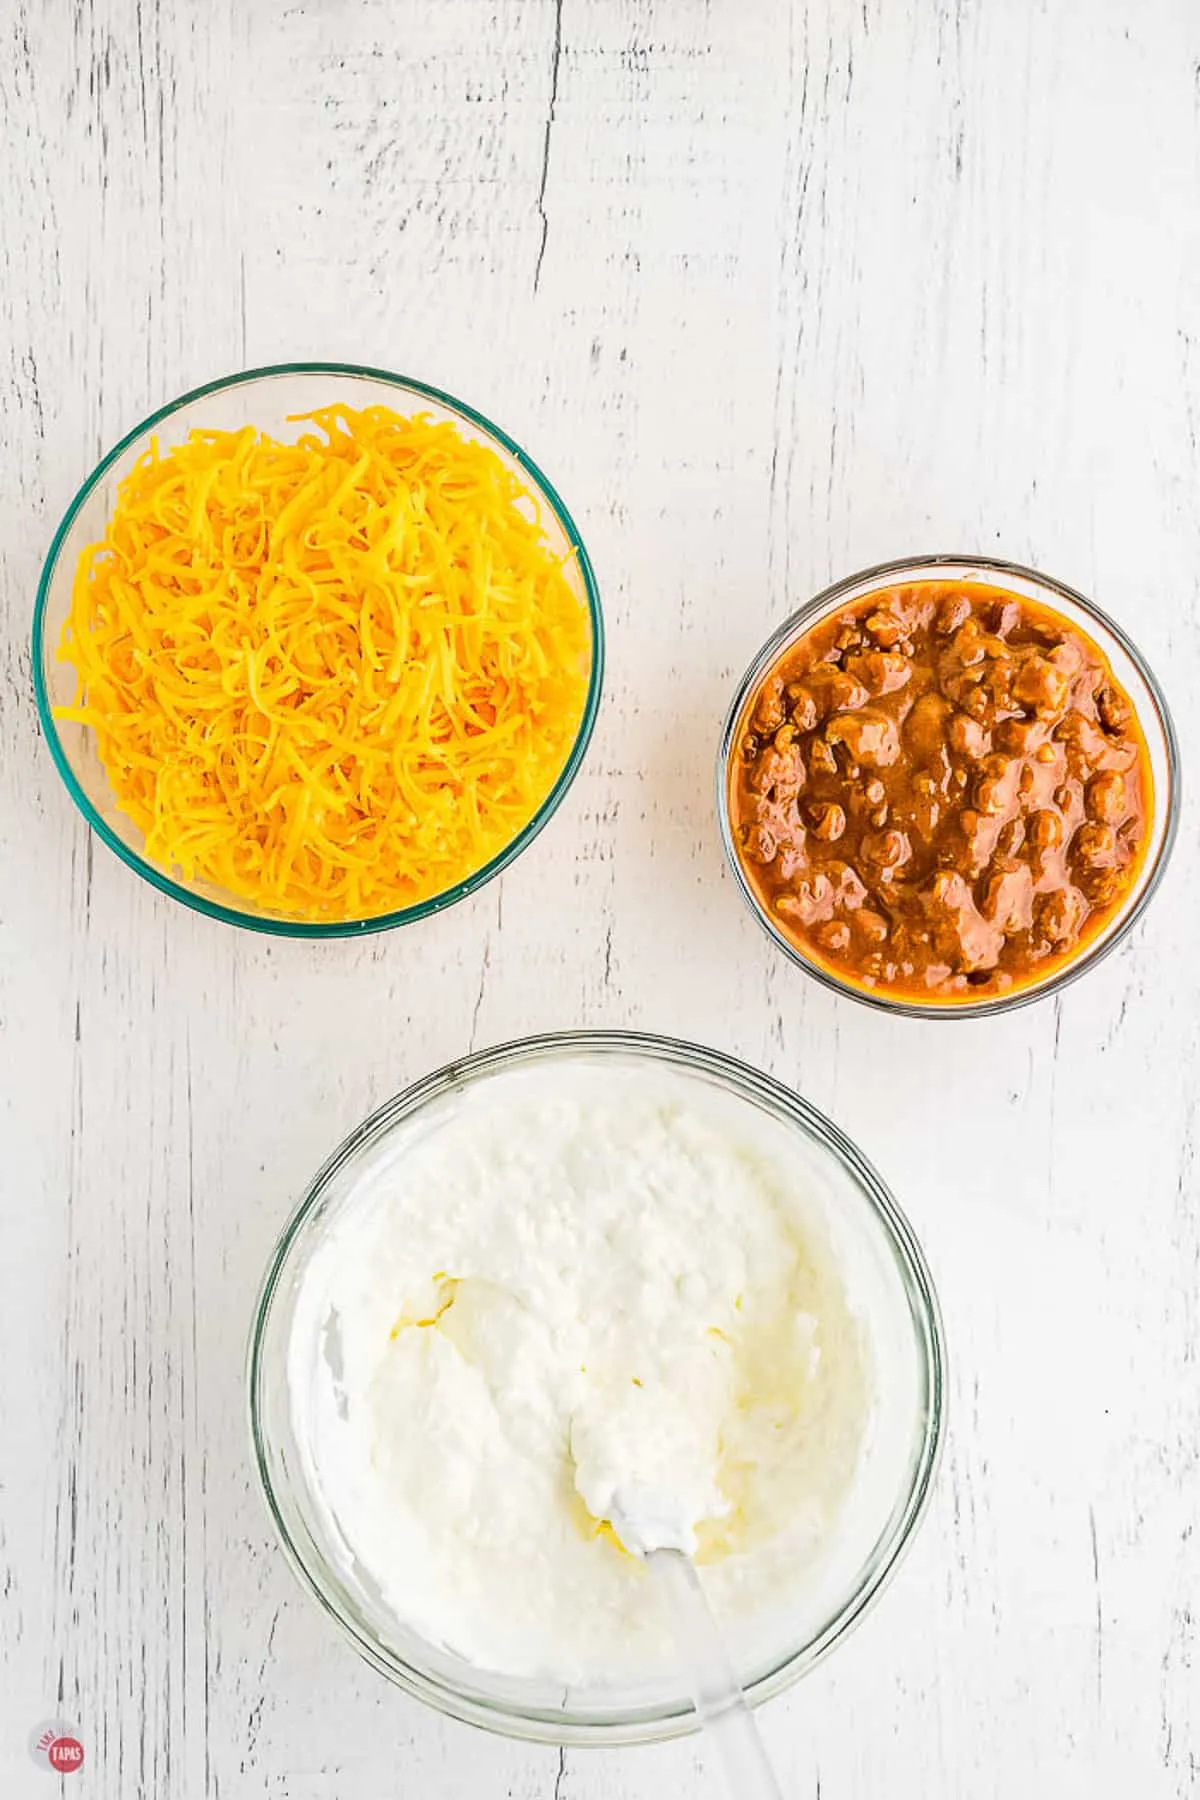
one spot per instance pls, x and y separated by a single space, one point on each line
773 292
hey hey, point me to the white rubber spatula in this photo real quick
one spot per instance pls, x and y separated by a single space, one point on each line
716 1692
650 1532
642 1465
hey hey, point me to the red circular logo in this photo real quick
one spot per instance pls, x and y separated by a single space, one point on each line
66 1755
55 1746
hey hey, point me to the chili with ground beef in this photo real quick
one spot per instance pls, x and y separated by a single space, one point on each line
941 792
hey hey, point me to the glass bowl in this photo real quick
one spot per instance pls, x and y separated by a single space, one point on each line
267 398
890 1490
1130 669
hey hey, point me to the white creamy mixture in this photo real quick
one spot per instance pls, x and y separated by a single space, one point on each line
582 1290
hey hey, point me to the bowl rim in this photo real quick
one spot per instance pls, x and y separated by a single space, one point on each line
911 568
296 928
655 1722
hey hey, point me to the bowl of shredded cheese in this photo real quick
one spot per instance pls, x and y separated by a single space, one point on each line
317 650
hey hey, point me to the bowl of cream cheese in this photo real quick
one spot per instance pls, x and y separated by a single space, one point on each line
557 1271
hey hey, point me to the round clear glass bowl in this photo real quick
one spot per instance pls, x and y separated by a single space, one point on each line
269 398
1130 669
892 1284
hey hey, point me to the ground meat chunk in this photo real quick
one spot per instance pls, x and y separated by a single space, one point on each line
967 737
849 890
1106 797
1007 898
759 844
880 671
827 820
821 759
781 772
1094 846
1020 736
792 860
1113 708
960 666
925 728
885 850
817 897
952 611
1067 655
1100 885
997 686
802 708
871 925
872 738
886 628
1088 748
1042 685
958 929
1045 829
1010 837
835 691
768 713
996 788
1058 917
980 832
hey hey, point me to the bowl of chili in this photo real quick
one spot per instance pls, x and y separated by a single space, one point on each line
948 785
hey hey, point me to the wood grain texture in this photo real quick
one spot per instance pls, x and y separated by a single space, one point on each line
773 291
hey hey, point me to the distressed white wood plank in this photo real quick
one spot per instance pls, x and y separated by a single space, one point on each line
772 293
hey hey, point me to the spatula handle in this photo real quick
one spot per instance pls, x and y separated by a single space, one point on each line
716 1691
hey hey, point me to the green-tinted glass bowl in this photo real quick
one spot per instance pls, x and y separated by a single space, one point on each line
266 398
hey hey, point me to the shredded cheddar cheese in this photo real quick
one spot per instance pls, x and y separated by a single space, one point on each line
332 677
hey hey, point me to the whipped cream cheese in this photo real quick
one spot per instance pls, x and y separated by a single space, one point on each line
581 1295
